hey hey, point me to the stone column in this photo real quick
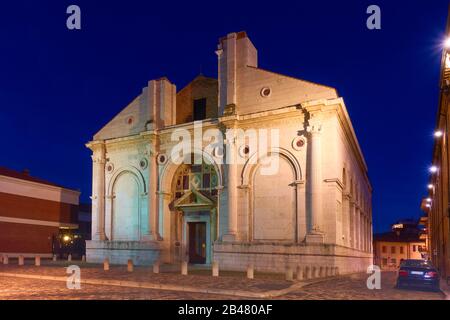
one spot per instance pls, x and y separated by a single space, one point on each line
352 223
315 183
98 189
356 242
232 185
153 214
346 219
366 224
364 232
361 231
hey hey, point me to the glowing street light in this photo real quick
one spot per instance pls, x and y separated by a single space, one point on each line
433 169
438 134
447 43
428 200
430 187
428 206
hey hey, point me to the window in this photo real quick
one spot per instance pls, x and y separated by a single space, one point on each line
392 249
414 248
385 261
201 177
401 250
394 261
200 109
384 249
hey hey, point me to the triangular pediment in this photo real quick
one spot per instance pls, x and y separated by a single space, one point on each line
193 198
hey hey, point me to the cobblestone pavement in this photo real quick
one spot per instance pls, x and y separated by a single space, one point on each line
30 289
354 288
198 278
342 288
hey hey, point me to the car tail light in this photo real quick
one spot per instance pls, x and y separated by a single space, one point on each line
431 274
403 273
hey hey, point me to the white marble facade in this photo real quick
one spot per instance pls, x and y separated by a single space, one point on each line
315 211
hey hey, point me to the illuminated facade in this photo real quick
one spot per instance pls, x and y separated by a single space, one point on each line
314 210
405 241
437 203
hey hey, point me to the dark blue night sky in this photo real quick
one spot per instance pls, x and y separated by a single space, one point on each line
59 87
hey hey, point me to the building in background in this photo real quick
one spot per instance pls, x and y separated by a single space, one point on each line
405 241
315 209
437 205
33 213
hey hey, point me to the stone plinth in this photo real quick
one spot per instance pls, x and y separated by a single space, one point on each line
119 252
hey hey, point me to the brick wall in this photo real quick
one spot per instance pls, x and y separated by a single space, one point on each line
36 209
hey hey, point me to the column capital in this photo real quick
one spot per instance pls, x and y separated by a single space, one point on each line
314 128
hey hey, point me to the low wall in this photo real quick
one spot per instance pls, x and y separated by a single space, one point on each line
277 257
119 252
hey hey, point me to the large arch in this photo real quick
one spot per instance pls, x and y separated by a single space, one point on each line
294 203
167 172
252 163
126 191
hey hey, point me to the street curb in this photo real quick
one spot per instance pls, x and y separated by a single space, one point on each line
445 291
149 285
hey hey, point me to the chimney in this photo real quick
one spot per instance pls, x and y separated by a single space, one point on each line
235 53
161 100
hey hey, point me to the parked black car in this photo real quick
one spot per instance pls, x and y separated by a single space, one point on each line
418 273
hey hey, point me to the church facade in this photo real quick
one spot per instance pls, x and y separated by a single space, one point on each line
253 167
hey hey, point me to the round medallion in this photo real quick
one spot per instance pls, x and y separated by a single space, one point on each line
244 151
130 121
162 159
109 167
143 164
298 143
266 92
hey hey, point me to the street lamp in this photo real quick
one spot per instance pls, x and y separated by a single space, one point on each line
433 169
438 134
428 200
430 187
447 43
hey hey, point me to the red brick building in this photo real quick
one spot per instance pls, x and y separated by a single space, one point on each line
32 212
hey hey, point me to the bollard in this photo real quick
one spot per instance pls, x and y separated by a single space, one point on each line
322 272
83 258
5 259
316 272
215 269
184 268
156 267
37 261
308 272
106 264
289 274
130 266
54 257
250 271
69 257
21 261
299 273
